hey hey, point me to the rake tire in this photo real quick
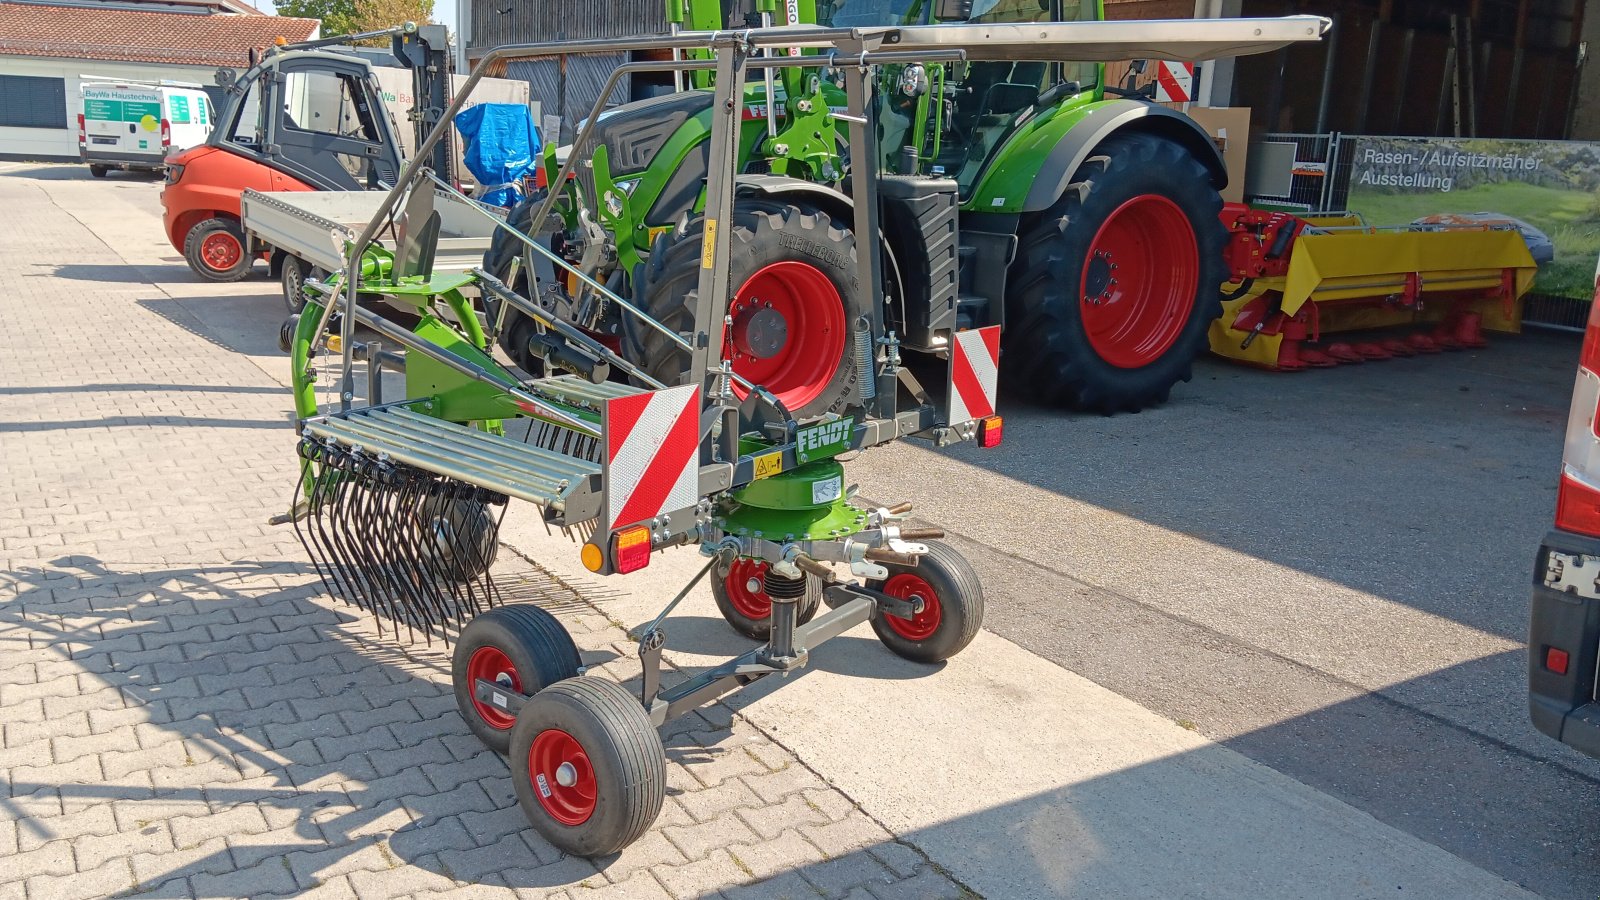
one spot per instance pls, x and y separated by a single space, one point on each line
739 606
538 650
950 618
621 755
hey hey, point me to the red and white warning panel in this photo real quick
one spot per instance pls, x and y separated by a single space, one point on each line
974 374
1174 81
652 461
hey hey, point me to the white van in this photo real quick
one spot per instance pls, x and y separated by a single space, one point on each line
135 124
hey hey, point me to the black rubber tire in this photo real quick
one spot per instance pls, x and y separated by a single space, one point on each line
761 629
503 249
474 536
624 750
1047 350
292 271
98 171
539 648
765 231
959 595
191 251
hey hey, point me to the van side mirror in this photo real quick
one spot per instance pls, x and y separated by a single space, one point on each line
953 10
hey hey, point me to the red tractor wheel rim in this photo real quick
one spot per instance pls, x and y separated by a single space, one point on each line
921 626
1139 281
490 664
220 250
788 331
562 776
750 604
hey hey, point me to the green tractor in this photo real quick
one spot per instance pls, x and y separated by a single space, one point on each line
1082 217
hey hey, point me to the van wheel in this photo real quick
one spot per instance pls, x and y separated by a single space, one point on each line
98 171
215 250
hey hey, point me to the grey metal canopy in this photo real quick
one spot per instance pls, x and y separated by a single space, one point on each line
1187 40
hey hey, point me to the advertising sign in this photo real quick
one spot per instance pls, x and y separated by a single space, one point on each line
1548 190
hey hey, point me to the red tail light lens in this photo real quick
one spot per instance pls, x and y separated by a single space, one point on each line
1590 357
1556 660
630 549
83 131
1577 506
166 134
990 431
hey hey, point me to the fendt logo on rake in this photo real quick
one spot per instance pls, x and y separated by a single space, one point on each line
652 463
974 374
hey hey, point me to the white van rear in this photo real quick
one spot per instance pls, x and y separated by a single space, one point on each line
134 125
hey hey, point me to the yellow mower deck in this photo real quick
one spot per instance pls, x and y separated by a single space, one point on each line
1341 275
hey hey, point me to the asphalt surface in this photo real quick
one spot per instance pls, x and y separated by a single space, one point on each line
1327 572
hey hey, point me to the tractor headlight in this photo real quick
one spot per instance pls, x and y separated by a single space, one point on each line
914 81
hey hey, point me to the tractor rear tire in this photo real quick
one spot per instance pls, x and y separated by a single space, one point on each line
520 647
1115 286
215 250
792 271
504 249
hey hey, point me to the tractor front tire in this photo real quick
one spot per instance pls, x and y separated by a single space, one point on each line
796 299
520 647
215 250
1115 286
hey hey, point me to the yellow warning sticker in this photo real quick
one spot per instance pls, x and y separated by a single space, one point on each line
769 464
708 256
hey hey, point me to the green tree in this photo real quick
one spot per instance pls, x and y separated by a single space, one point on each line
372 15
338 16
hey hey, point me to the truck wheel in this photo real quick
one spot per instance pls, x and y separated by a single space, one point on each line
748 608
792 271
520 647
215 250
588 766
1114 287
98 171
292 273
952 610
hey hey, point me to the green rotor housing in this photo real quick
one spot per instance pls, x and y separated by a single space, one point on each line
803 504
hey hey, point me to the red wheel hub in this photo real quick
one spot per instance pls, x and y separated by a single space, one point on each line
562 776
788 331
490 664
752 604
921 626
221 250
1139 281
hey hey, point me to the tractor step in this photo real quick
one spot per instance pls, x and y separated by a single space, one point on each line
537 475
972 311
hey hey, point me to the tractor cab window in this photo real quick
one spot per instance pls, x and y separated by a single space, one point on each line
861 13
991 97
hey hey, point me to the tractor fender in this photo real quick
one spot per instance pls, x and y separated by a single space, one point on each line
1062 143
1104 121
837 203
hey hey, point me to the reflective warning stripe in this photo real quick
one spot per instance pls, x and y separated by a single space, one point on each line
652 454
974 374
1173 82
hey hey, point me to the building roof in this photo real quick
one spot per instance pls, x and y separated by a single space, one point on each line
125 35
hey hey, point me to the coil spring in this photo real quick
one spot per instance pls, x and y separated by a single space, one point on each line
782 587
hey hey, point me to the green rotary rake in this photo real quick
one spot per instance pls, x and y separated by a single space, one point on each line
400 500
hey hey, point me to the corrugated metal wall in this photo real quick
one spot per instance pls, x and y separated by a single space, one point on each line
569 89
498 22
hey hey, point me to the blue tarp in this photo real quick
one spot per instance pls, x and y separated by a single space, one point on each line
501 146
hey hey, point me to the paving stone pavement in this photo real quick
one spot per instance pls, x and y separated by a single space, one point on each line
184 713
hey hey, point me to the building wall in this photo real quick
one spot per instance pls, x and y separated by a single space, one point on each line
62 143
